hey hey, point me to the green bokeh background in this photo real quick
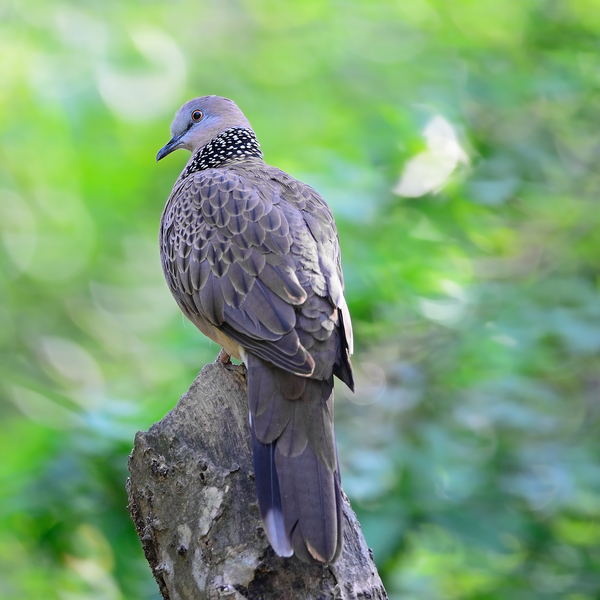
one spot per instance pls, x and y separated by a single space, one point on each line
470 450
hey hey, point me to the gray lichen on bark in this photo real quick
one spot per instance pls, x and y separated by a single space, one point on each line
192 499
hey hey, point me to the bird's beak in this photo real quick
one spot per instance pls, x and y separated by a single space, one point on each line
173 144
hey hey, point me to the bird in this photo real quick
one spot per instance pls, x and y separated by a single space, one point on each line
252 257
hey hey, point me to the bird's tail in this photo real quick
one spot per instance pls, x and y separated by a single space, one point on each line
295 462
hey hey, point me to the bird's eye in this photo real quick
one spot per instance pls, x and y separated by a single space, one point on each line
197 115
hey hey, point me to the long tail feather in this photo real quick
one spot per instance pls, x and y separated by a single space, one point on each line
295 462
311 506
269 496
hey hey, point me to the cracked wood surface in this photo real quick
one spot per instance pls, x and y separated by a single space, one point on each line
193 501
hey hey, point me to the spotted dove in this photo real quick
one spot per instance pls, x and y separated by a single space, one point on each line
252 258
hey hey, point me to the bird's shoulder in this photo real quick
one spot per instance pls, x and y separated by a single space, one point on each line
294 192
249 191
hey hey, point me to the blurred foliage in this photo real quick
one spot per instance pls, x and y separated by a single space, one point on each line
456 143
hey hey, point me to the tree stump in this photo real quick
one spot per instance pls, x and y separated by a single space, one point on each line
193 501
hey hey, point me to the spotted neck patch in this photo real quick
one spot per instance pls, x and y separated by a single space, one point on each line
233 144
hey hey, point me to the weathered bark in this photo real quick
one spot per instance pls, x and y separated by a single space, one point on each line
193 502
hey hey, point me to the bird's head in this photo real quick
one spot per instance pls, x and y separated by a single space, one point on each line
200 120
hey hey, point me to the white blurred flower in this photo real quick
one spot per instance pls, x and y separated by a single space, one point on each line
430 170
